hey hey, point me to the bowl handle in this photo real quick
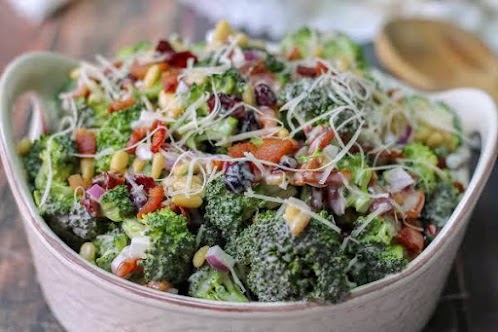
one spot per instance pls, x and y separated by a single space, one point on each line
43 74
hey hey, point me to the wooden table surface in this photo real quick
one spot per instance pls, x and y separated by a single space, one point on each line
89 27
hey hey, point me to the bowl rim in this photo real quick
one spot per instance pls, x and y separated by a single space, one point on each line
69 257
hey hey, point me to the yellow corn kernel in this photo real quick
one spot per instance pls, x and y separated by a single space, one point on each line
422 133
192 202
283 133
318 51
435 139
88 251
162 285
296 219
87 166
119 161
248 95
242 39
158 163
222 31
152 75
138 165
200 257
24 146
181 169
75 73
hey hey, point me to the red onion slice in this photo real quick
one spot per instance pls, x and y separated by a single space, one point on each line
397 179
95 192
219 259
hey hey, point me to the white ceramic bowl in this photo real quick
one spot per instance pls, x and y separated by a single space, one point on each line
85 298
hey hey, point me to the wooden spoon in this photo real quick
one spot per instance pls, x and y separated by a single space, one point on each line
434 55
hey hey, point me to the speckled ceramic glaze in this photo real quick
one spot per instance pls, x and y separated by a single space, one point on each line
85 298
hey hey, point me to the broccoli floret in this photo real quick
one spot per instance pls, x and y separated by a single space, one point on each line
274 64
229 82
377 231
114 134
59 201
373 251
133 228
283 267
358 166
32 160
219 131
211 284
374 262
336 47
109 245
435 118
172 247
227 211
439 205
209 235
57 157
423 161
141 46
116 204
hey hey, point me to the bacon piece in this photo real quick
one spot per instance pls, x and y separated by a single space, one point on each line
158 139
294 54
238 150
136 136
85 141
273 149
411 239
156 196
121 104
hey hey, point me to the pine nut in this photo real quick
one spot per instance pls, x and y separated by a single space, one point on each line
162 285
119 161
158 163
200 257
435 139
138 165
283 133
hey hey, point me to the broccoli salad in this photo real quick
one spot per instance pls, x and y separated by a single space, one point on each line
238 170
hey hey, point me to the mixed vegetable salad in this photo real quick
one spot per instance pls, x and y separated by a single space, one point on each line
238 170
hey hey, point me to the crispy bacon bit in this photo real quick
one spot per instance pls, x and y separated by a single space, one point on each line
272 149
459 186
294 54
127 268
82 91
85 141
238 150
138 71
158 138
170 80
121 104
156 196
411 239
307 71
136 136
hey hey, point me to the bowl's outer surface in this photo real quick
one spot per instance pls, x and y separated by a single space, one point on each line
84 298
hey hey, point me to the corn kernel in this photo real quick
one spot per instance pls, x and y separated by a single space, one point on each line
119 161
283 133
242 39
192 202
435 139
158 163
181 169
87 166
162 285
200 257
222 31
88 251
75 73
138 165
248 95
296 219
422 133
152 75
24 146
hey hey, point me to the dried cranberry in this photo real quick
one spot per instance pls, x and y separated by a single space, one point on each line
179 59
264 95
108 180
248 122
227 103
164 47
238 176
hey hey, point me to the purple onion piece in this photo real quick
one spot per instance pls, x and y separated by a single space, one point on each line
95 192
219 259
